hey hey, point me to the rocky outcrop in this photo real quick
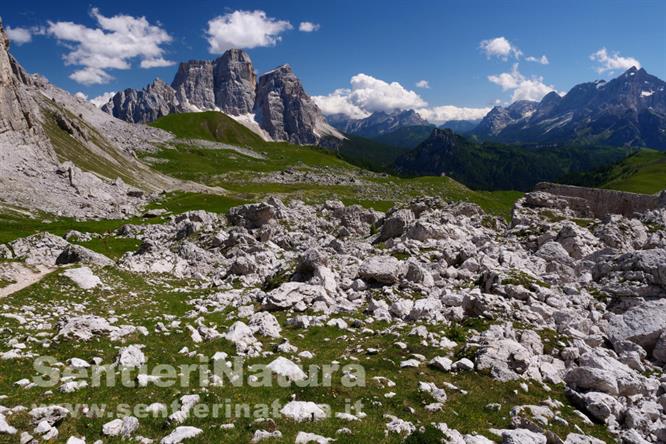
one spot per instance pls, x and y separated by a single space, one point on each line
193 84
277 103
284 110
234 82
138 106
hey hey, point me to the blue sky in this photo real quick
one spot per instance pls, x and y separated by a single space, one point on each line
472 54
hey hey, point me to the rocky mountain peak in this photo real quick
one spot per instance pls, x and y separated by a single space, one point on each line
4 38
380 122
234 82
137 106
17 110
629 110
284 110
277 101
194 84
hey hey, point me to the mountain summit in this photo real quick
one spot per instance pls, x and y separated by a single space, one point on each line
380 122
275 105
629 110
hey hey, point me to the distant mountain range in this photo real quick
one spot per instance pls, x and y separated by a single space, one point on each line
401 128
629 110
379 123
275 105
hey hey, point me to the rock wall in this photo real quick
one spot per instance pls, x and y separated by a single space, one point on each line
595 202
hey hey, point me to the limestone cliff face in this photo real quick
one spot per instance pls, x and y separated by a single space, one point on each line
235 82
194 84
278 101
284 110
17 110
138 106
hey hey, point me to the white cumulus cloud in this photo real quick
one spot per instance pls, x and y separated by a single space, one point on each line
91 76
244 29
444 113
112 45
308 27
102 99
523 88
542 60
500 47
614 61
19 36
340 102
368 94
423 84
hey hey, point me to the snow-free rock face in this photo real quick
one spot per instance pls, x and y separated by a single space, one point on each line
17 110
284 110
277 103
234 82
193 83
227 83
138 106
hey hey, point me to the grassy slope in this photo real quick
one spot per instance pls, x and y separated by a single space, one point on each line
406 137
232 170
642 172
370 154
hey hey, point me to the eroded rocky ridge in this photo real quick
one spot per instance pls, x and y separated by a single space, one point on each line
276 101
62 155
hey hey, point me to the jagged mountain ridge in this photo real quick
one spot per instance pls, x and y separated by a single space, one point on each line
500 117
275 104
379 123
629 110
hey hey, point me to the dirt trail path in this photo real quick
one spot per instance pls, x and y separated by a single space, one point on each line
24 277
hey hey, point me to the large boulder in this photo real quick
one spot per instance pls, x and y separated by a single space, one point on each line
642 324
637 273
252 216
396 224
82 327
294 294
384 270
77 254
